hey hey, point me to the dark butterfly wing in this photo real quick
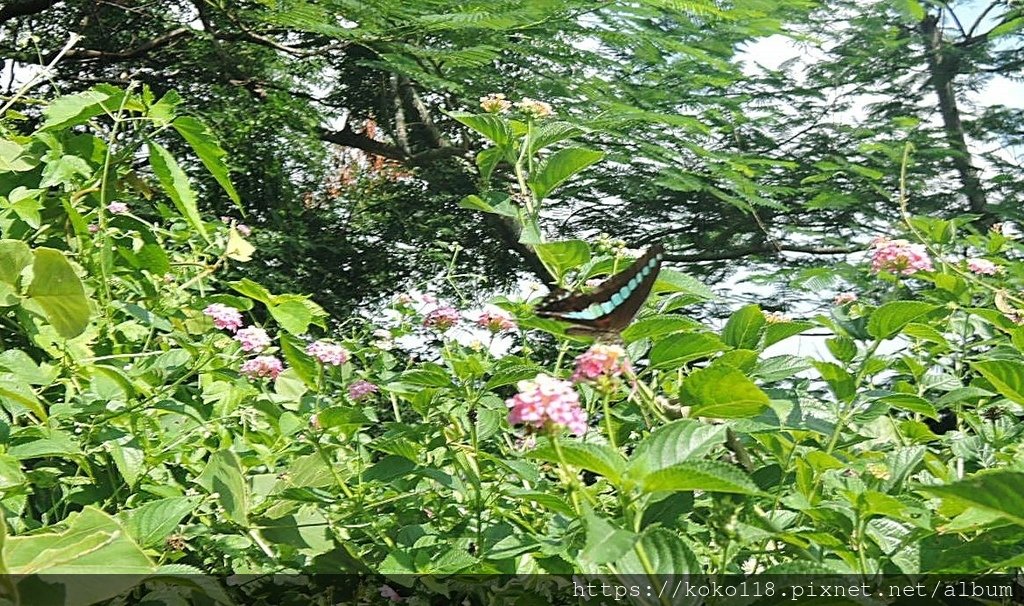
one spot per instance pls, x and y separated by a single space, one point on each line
612 305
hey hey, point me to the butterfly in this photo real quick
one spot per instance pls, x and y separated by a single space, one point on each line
611 306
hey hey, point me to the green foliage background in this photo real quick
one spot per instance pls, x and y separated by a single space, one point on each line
131 441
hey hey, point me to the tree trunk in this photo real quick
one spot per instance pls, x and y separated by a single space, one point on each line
943 66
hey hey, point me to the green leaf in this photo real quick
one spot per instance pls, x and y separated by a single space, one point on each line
23 396
722 392
1007 27
474 202
509 375
676 350
15 256
558 168
709 476
560 257
843 348
176 184
252 290
1000 492
153 522
743 329
773 333
674 443
912 403
605 543
655 327
598 458
1007 376
841 382
292 313
496 129
70 110
664 553
549 133
58 291
671 280
223 476
344 418
487 160
887 321
93 543
63 170
209 151
11 158
913 9
427 376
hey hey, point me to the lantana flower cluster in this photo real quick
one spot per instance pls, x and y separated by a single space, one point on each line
328 353
496 320
547 403
899 257
496 103
252 339
601 361
983 267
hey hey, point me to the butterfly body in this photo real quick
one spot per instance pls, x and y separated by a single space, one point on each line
611 306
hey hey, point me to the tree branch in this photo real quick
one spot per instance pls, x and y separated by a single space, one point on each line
87 54
759 249
346 137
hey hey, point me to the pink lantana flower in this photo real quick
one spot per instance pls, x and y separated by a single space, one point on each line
263 367
899 257
845 297
442 318
601 361
224 317
983 267
117 208
328 353
547 402
496 320
253 338
361 389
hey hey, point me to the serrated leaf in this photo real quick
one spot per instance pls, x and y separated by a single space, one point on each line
743 329
496 129
209 151
676 350
655 327
598 458
1000 492
560 167
605 543
77 108
153 522
223 476
722 392
841 382
664 553
911 403
709 476
887 321
560 257
1007 376
676 442
773 333
176 185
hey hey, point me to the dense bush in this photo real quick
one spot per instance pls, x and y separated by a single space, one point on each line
161 421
